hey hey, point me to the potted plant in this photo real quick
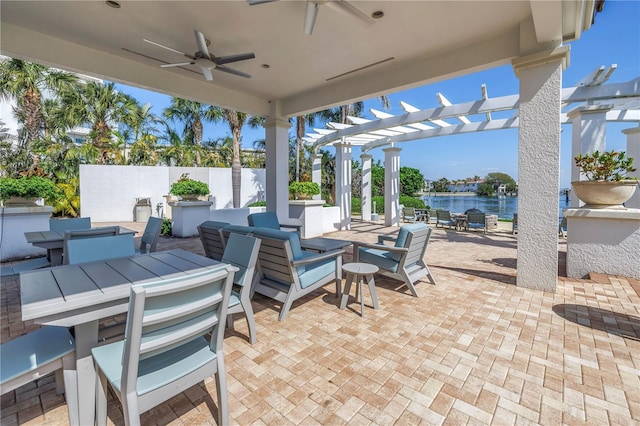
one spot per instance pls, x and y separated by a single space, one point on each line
607 185
188 189
303 190
26 191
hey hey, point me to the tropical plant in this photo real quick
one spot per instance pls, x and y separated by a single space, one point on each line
187 186
28 187
192 114
167 227
606 166
303 189
411 181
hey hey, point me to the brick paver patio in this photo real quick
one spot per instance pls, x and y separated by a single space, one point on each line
474 349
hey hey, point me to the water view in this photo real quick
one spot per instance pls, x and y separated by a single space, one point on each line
503 206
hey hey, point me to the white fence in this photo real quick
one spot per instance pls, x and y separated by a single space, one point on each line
108 193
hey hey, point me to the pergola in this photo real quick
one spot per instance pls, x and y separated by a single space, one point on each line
620 103
405 44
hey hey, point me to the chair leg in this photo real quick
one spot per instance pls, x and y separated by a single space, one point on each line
221 390
251 324
71 387
230 321
286 306
409 284
59 382
101 400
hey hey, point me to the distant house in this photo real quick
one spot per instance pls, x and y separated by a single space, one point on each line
465 185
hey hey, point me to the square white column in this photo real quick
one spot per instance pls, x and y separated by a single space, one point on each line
588 134
316 173
391 186
540 78
277 162
343 183
366 187
633 150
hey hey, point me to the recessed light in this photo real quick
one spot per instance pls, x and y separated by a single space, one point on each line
113 4
266 66
377 14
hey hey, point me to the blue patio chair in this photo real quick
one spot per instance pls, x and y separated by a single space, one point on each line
405 260
409 214
86 233
476 220
92 249
269 220
36 354
210 233
241 251
286 272
72 224
165 350
443 218
149 240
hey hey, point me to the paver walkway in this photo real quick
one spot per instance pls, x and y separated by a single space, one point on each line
474 349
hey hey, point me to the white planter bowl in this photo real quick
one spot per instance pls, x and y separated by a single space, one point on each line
604 194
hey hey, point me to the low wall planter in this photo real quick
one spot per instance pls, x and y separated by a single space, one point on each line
604 194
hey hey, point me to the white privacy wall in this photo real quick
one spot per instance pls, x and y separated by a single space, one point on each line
108 193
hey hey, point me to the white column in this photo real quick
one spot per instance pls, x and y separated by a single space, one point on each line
365 190
277 162
391 186
588 134
343 183
540 78
633 150
316 173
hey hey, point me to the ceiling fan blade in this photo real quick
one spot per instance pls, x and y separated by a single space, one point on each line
310 16
202 44
208 75
254 2
221 60
234 72
349 9
181 64
163 46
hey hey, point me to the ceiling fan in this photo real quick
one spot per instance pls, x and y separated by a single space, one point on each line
205 59
314 5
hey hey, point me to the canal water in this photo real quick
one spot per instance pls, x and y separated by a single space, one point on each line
504 206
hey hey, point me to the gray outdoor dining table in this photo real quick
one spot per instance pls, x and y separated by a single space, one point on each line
53 241
80 295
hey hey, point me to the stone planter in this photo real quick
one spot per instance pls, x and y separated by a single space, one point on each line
189 197
21 202
604 194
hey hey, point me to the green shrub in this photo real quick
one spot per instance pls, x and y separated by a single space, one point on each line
29 187
167 227
258 204
408 201
303 189
356 205
188 186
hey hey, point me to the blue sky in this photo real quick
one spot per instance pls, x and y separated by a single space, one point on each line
614 38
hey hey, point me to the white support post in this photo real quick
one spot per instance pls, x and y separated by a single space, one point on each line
316 173
633 150
391 186
277 152
343 183
588 134
540 78
365 189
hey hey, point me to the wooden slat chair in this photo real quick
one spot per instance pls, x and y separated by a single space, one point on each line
476 220
443 218
286 272
80 234
514 224
72 224
165 350
405 260
269 220
36 354
149 240
409 214
241 251
92 249
212 239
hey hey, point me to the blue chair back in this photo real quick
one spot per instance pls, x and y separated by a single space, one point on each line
103 248
73 224
149 241
241 251
264 220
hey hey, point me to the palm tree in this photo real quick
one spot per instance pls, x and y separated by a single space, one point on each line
25 82
192 113
103 107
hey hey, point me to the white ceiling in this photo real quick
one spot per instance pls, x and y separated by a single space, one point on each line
428 41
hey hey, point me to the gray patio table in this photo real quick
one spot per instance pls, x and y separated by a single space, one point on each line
321 244
54 240
79 295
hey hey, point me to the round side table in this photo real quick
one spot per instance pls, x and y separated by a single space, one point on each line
358 272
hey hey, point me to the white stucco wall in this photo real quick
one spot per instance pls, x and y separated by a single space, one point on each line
108 193
14 222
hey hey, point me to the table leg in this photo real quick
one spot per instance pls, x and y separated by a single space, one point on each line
360 281
372 290
347 288
55 256
86 336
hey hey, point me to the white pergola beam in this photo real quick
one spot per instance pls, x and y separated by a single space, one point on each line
485 96
445 102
